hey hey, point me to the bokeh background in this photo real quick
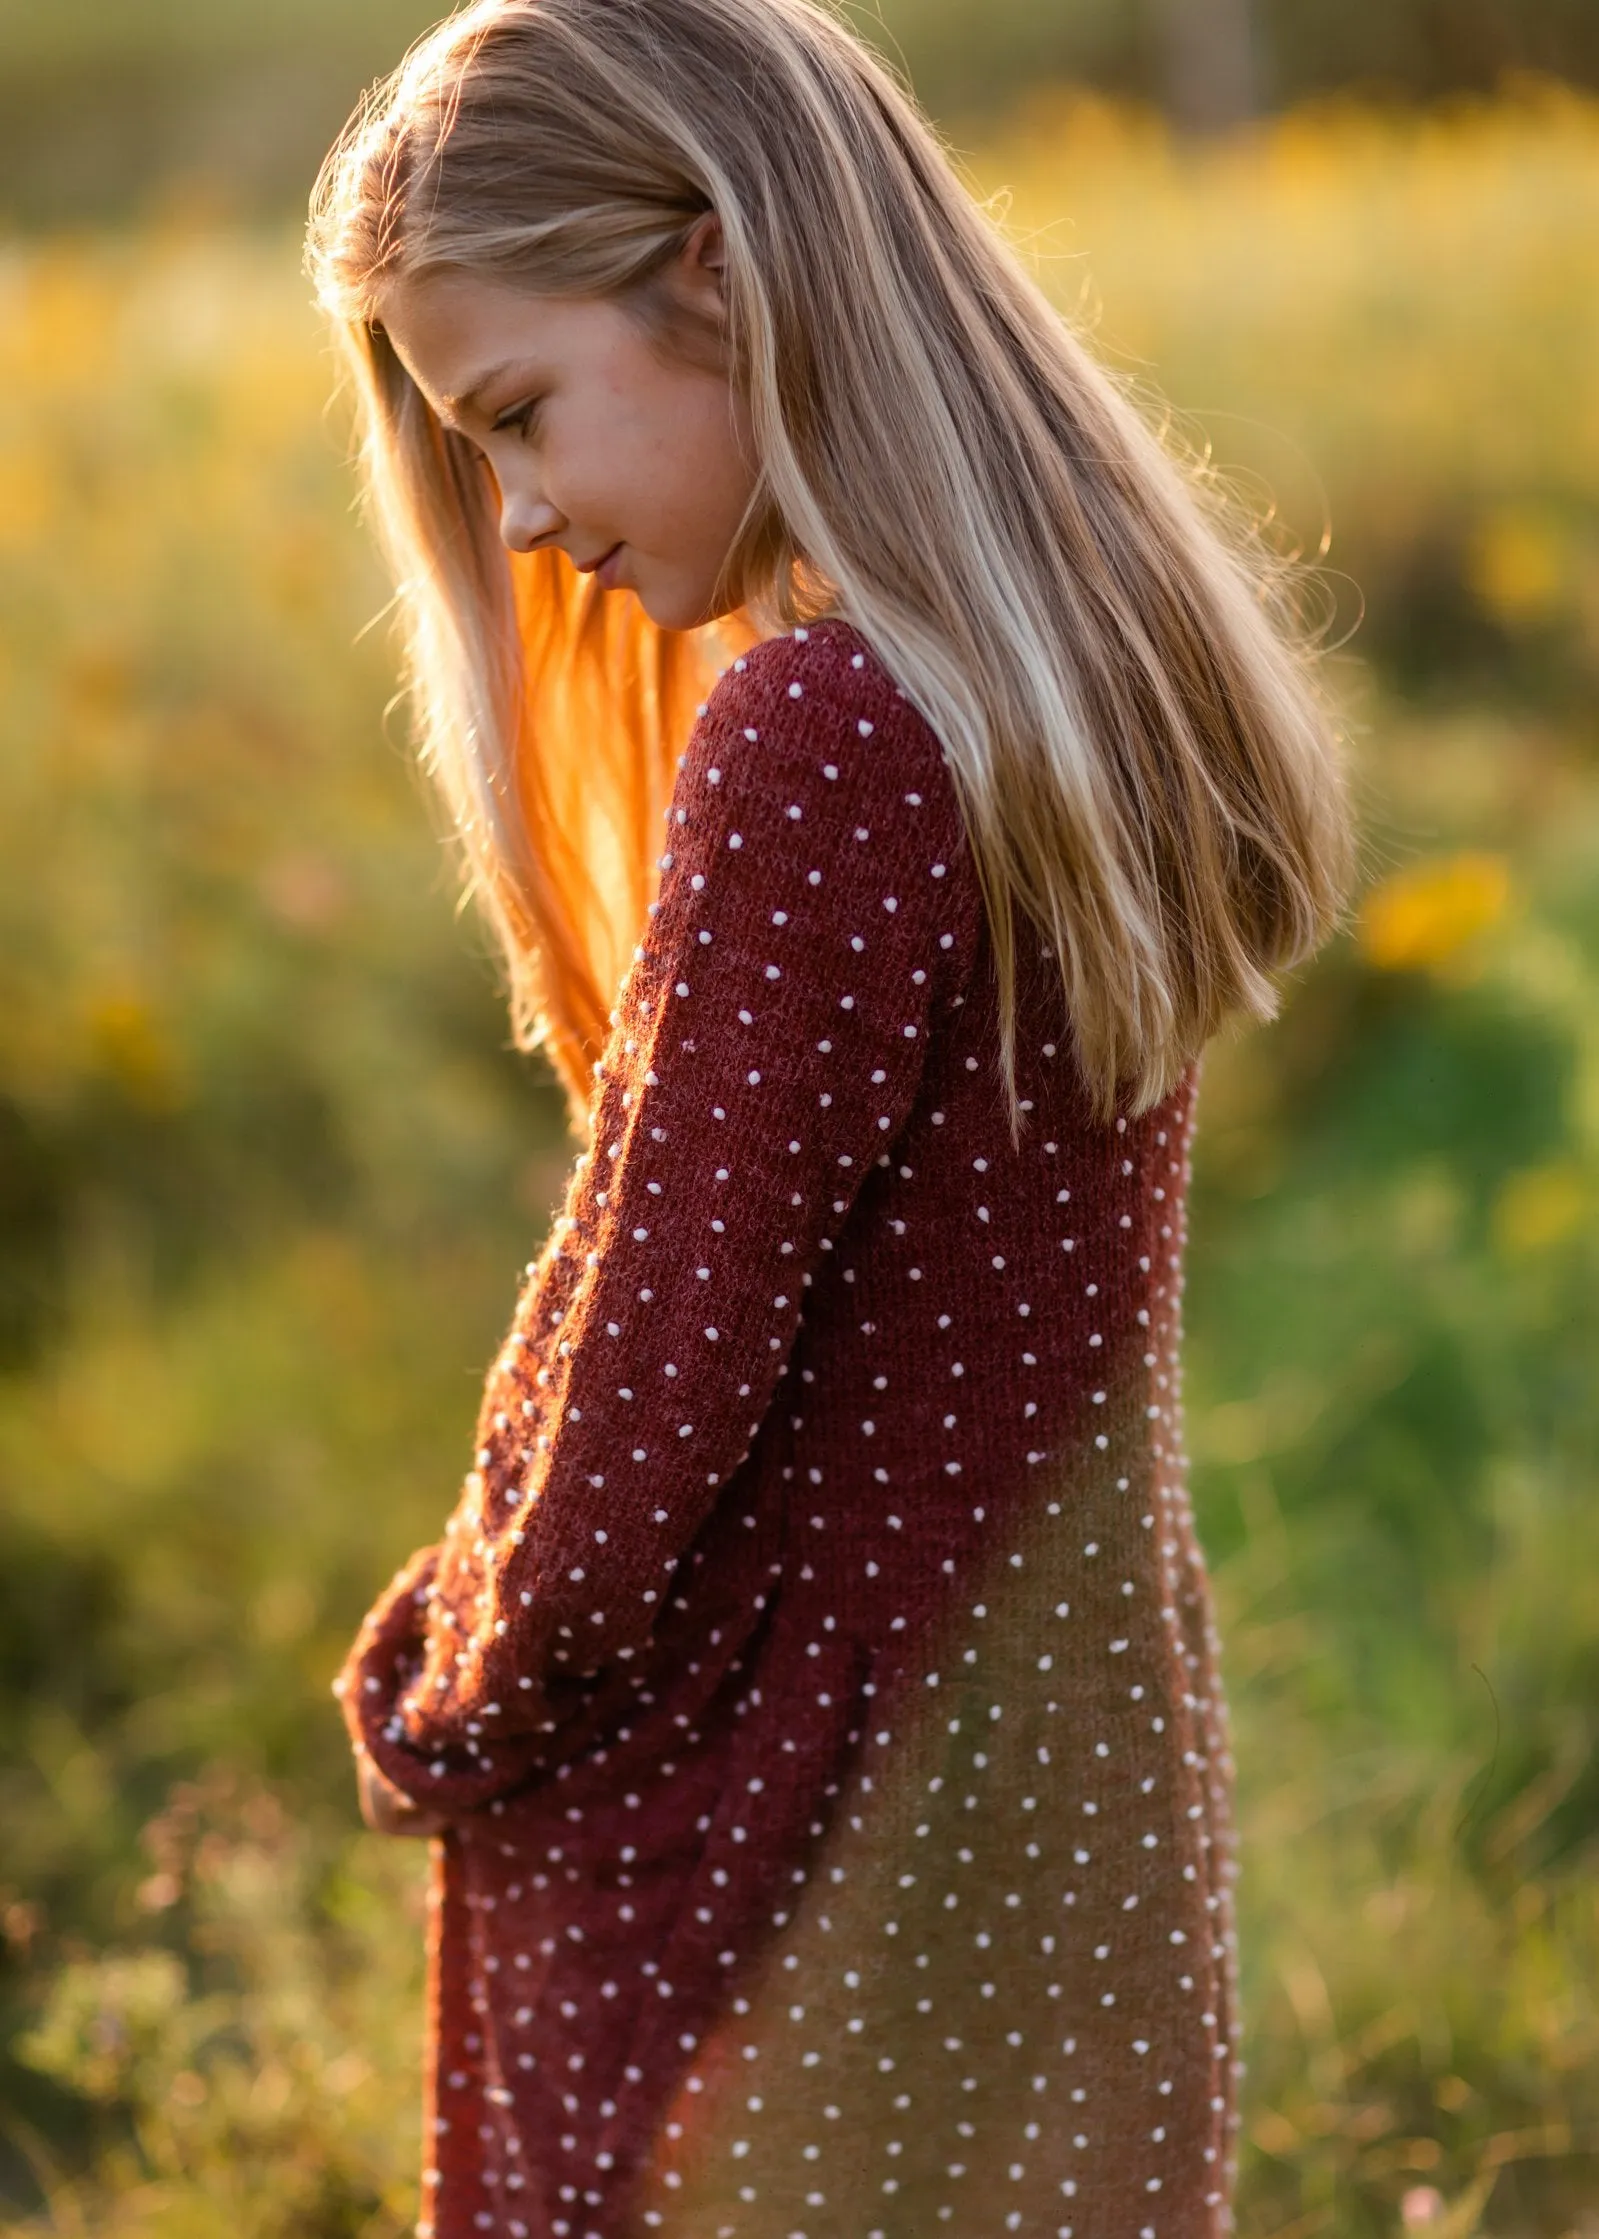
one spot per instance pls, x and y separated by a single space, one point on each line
268 1171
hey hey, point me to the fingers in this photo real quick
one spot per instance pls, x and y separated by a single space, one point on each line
387 1810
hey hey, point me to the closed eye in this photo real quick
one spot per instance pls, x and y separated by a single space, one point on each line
521 419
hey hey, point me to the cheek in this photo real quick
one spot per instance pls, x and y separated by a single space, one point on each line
708 468
644 471
653 455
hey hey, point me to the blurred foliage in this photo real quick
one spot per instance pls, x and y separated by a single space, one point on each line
256 2068
112 108
267 1173
1381 326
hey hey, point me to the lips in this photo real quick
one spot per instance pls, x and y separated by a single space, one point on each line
592 567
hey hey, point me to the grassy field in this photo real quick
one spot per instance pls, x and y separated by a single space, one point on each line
267 1174
112 108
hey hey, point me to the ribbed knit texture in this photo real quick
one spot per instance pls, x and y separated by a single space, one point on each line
818 1669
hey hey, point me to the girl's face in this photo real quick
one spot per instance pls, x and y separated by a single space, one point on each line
627 459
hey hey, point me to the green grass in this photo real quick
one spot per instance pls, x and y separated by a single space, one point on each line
110 109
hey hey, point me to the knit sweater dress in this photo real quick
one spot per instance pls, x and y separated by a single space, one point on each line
817 1671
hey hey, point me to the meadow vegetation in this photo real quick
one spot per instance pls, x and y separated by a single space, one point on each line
268 1173
109 110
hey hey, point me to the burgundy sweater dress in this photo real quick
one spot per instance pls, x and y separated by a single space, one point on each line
817 1671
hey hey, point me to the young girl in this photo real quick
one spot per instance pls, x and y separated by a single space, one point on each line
813 1692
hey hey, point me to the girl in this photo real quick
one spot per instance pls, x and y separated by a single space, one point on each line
813 1693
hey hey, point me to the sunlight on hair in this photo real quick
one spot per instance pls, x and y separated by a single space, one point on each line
1148 774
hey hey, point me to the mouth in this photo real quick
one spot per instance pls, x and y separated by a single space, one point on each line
593 567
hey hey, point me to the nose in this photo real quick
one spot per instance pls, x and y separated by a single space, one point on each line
528 520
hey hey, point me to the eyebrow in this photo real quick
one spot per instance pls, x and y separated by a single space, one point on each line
454 405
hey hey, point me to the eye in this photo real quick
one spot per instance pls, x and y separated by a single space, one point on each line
522 419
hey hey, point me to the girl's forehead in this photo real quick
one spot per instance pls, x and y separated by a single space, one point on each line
458 334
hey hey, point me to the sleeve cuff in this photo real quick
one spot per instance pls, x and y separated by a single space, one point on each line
382 1666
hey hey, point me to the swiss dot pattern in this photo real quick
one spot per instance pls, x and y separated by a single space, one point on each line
817 1671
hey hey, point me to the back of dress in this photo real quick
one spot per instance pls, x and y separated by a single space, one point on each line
820 1655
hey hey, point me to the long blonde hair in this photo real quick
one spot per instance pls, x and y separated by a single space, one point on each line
1129 714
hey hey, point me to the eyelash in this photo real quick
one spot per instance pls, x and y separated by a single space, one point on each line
520 420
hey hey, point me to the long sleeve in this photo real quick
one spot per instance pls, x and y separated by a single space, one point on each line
812 923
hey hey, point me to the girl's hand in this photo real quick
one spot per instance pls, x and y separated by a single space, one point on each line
387 1810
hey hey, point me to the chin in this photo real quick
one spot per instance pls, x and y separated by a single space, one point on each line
672 614
680 607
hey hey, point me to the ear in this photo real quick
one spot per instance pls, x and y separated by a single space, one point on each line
701 267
